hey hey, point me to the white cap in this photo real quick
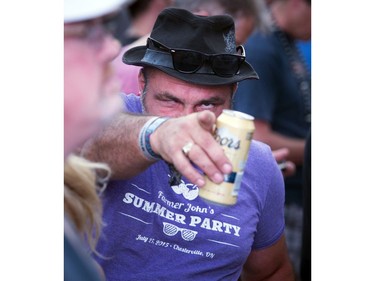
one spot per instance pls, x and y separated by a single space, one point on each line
81 10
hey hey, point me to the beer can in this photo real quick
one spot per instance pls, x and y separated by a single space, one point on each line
234 131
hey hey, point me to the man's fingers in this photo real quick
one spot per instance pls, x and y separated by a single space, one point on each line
185 167
208 154
290 169
207 120
280 154
192 134
199 157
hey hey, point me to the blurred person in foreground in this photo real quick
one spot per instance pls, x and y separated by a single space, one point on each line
90 98
157 227
83 215
281 100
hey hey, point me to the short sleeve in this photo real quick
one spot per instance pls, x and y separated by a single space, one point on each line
132 103
271 222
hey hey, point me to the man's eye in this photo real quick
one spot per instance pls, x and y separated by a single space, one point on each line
207 105
169 101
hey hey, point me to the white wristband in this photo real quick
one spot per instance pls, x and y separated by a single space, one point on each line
144 137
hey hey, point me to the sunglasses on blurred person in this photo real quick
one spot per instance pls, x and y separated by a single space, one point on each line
94 31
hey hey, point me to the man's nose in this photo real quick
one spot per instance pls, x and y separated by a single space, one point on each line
186 111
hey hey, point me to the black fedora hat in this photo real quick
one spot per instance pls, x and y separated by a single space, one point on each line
196 49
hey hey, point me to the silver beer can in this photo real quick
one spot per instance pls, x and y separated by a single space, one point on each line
234 131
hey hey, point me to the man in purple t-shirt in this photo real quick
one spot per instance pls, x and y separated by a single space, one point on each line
157 229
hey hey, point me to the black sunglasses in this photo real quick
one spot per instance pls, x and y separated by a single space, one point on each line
189 61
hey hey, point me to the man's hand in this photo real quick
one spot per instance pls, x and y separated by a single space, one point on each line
174 134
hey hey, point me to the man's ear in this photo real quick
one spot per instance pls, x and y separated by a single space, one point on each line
141 80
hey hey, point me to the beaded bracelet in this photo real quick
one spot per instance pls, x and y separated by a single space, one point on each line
144 137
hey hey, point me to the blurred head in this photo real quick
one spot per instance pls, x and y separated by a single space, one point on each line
90 90
293 17
246 13
138 7
143 14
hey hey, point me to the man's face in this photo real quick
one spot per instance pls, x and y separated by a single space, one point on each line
90 89
168 96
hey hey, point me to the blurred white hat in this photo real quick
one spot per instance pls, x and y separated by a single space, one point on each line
80 10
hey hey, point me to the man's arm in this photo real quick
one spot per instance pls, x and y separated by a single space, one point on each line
269 264
264 133
117 145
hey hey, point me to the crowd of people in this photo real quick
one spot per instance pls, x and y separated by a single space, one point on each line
281 100
137 153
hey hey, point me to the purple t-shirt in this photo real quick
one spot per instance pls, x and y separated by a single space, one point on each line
157 232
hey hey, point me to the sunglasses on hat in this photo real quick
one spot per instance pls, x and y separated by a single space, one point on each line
189 61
